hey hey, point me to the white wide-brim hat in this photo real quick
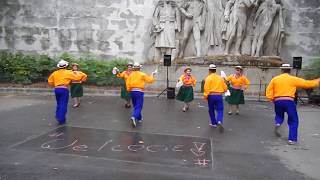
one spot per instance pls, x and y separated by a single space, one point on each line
137 65
285 66
62 64
130 63
212 66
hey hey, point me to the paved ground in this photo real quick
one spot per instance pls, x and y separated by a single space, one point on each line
246 150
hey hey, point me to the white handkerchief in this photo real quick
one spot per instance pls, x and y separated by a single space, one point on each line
227 93
155 71
223 74
179 84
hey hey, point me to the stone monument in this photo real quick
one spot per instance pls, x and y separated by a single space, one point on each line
232 29
166 22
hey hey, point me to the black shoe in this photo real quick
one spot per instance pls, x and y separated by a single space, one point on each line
134 124
221 128
276 131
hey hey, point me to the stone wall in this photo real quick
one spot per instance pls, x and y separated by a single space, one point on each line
303 29
121 28
109 28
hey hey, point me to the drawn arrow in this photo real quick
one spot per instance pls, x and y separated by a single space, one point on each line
197 151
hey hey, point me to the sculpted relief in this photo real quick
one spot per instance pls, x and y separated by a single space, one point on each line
197 28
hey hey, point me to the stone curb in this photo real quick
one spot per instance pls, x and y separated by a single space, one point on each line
95 92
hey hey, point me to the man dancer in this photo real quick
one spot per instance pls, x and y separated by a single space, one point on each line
135 85
281 90
60 79
214 87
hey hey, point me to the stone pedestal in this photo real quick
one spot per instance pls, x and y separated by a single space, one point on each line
232 60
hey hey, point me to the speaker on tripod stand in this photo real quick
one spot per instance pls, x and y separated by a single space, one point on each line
170 90
297 65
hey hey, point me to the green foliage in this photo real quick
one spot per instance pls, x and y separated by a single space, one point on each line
313 69
99 71
26 69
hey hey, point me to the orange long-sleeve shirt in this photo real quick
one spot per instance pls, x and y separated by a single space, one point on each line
286 85
214 84
124 75
84 77
241 81
188 80
63 77
137 79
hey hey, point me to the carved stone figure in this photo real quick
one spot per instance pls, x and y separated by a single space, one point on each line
262 23
235 15
275 35
194 11
166 21
213 24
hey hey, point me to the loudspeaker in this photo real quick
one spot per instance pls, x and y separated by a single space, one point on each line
167 60
171 93
297 62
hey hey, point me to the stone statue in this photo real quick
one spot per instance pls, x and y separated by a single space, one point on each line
195 16
262 23
275 35
213 24
235 15
166 21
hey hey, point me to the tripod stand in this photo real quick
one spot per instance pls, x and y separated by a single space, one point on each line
166 89
297 97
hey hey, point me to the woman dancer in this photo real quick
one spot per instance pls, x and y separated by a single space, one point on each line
76 89
237 84
185 93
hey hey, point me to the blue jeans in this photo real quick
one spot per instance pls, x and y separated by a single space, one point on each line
62 98
289 107
137 101
215 103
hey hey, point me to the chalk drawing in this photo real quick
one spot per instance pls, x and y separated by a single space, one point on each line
46 145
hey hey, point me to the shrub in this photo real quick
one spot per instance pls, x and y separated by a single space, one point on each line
24 69
313 69
27 69
99 71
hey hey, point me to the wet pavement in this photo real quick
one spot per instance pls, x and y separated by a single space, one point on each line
98 142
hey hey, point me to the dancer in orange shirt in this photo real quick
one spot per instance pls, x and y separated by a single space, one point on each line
135 85
185 93
214 87
76 89
281 91
238 83
124 93
60 79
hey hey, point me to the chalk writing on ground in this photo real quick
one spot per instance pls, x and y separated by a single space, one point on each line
125 146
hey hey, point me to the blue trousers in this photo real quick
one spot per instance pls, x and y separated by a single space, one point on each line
62 98
287 106
215 103
137 101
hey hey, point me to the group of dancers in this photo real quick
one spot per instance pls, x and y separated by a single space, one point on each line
281 91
